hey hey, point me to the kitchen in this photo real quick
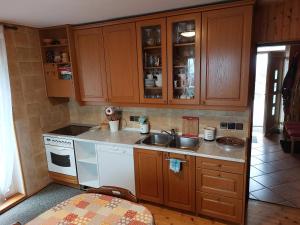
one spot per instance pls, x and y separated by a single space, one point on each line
170 68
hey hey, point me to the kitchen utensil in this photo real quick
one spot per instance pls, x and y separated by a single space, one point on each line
190 126
209 133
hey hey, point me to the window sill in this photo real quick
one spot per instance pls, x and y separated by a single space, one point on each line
11 202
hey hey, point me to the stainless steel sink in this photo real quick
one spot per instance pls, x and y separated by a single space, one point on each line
185 143
157 139
166 140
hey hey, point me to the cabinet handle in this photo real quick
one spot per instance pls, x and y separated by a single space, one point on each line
182 161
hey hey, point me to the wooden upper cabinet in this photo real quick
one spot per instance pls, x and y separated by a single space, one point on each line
121 63
151 46
91 64
149 175
179 188
183 44
226 43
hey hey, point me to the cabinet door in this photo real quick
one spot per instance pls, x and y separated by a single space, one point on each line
121 63
222 183
183 34
91 64
226 40
179 188
149 175
229 209
151 39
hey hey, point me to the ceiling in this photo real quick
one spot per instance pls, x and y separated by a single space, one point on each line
43 13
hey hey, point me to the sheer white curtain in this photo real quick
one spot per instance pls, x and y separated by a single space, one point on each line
8 144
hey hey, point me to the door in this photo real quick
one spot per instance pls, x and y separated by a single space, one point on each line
151 39
225 56
179 188
91 64
183 38
273 94
149 175
121 63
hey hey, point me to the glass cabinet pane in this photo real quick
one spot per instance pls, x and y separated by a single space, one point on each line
152 62
183 44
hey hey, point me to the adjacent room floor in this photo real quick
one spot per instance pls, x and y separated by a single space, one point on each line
258 212
274 175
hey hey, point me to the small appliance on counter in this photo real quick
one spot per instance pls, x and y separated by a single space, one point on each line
144 125
209 134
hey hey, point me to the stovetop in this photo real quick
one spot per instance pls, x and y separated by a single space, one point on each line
71 130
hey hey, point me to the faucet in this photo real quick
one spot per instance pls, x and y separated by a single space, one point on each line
172 133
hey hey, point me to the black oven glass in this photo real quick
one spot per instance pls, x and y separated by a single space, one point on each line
60 160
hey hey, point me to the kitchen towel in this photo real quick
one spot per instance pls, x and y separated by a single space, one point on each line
175 165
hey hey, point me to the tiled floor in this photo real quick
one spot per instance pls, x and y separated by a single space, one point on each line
274 175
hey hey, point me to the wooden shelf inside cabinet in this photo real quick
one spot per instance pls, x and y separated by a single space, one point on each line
55 46
152 68
153 88
184 44
179 66
152 47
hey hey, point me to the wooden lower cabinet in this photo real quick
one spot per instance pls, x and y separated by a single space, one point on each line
179 188
149 175
224 208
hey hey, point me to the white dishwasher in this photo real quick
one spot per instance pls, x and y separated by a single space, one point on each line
116 166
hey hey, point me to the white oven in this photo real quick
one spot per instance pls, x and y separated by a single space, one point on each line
60 155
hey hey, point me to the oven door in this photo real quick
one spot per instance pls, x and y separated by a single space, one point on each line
61 160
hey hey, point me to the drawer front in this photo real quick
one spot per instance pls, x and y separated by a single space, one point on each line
220 207
220 165
221 183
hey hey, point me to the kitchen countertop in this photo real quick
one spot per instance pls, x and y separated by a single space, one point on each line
129 137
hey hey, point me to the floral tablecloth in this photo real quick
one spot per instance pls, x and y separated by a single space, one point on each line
95 209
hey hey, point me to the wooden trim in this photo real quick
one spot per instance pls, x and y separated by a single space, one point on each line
191 107
11 202
174 12
139 25
115 192
170 20
63 178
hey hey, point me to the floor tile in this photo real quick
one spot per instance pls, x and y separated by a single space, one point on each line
268 181
267 195
287 203
255 161
273 156
255 152
266 168
254 186
288 190
296 202
285 164
255 172
251 196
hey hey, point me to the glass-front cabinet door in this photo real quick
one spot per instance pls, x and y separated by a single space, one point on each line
151 39
184 59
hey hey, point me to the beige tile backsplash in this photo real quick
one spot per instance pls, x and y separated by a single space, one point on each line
33 111
162 118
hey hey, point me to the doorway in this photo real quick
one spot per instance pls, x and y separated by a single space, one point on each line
274 174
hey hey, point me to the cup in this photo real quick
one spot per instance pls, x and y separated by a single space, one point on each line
150 76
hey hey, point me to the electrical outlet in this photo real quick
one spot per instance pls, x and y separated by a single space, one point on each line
239 126
131 118
231 126
223 125
136 118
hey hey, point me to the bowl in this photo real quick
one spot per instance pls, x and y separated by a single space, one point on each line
47 41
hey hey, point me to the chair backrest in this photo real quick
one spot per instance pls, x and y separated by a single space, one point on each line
115 192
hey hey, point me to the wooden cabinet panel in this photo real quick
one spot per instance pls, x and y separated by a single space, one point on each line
149 175
220 165
152 60
220 207
91 64
179 188
222 183
121 63
183 59
225 62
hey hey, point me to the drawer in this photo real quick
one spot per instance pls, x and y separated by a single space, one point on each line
220 207
220 165
221 183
